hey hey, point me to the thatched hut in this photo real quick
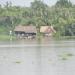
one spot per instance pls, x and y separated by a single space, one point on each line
47 30
25 31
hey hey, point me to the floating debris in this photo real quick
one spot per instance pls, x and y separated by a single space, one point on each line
69 54
18 62
65 56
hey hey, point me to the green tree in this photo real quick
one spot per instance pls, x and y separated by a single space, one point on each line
40 14
63 3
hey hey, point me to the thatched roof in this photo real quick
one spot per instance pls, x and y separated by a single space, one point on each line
47 29
26 29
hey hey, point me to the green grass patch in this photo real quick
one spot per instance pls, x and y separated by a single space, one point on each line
6 37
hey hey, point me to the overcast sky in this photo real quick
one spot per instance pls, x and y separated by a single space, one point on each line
27 2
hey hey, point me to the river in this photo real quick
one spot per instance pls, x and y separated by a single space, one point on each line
37 58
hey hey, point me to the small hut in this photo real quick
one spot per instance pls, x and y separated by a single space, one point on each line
25 31
47 30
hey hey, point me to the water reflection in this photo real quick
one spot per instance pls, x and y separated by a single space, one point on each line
37 57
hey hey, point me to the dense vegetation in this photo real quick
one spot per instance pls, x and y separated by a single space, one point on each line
61 16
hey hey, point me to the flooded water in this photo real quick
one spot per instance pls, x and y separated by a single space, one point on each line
32 58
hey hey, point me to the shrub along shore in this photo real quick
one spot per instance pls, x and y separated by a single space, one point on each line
61 16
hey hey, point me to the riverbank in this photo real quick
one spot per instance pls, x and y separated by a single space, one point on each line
8 37
64 37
